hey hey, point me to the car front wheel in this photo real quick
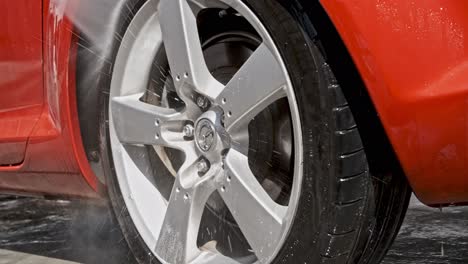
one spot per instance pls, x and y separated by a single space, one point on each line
227 139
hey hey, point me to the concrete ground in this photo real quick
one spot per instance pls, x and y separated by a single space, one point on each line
38 231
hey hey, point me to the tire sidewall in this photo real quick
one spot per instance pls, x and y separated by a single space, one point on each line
303 62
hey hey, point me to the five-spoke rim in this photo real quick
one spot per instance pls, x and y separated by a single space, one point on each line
170 227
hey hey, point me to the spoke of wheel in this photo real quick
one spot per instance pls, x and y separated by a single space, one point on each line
177 242
213 258
137 122
188 173
183 49
257 84
198 5
258 216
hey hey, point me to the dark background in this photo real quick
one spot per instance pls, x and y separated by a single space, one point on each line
84 232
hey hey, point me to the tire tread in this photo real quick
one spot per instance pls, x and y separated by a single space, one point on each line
352 180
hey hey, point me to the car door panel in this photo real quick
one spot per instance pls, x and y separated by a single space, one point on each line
21 76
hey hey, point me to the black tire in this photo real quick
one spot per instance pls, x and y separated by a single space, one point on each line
345 213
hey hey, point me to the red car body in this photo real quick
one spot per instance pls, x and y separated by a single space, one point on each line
412 57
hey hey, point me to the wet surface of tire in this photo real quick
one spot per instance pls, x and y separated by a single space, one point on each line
84 232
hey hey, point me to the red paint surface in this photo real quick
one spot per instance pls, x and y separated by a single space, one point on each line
21 91
413 57
54 161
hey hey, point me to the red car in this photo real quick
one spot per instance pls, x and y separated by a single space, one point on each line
239 131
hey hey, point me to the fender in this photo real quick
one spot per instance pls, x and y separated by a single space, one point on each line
54 163
62 157
413 62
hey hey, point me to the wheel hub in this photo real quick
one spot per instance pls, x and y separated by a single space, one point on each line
211 138
205 135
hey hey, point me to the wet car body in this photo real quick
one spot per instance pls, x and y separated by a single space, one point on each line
411 57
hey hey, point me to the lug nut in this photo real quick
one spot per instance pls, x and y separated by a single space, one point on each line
202 166
188 130
222 13
202 102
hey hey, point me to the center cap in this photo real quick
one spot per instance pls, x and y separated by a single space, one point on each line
205 135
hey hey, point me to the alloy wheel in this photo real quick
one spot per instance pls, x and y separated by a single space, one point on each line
210 127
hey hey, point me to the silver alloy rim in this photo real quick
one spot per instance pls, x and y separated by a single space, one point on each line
170 228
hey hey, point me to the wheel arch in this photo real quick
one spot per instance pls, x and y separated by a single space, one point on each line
98 34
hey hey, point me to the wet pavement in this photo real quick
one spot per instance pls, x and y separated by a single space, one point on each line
69 230
431 235
40 231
